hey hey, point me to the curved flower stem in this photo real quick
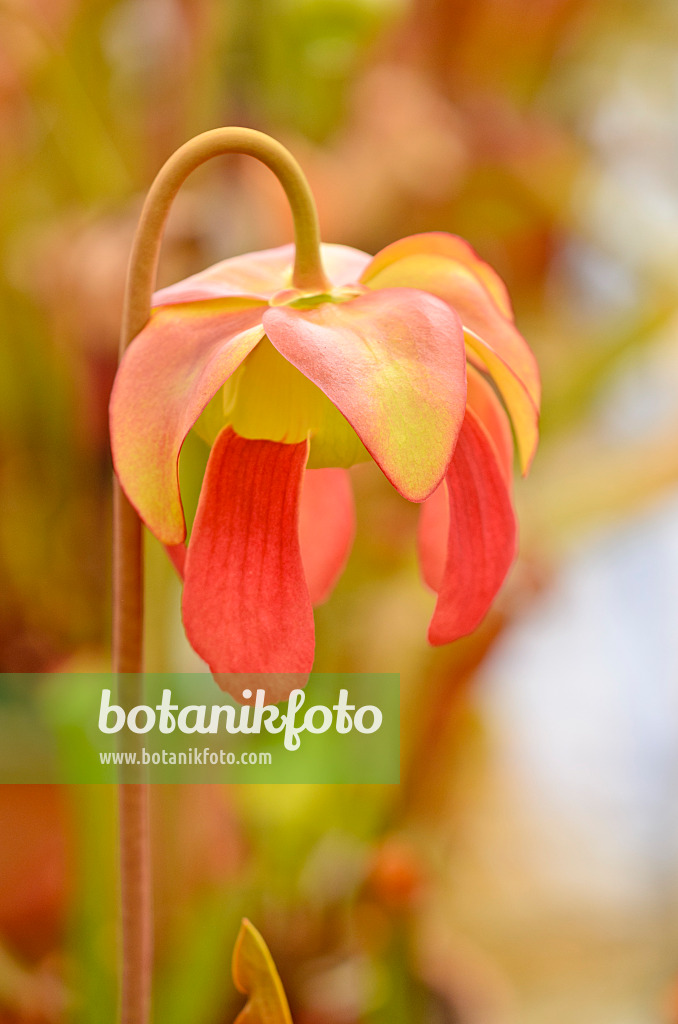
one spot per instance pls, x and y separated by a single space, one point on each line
308 270
308 275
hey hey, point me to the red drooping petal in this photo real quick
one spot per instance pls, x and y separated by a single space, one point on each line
393 363
481 542
326 528
246 606
277 686
434 520
261 275
172 369
434 527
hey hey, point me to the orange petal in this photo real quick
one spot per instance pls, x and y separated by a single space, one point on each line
261 275
459 286
440 243
481 541
393 364
326 528
246 606
168 375
482 400
522 410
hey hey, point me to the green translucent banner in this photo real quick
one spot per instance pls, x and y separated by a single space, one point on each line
83 728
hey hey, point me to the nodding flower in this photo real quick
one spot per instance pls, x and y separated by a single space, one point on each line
410 358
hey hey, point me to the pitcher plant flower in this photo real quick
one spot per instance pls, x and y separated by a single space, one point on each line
410 358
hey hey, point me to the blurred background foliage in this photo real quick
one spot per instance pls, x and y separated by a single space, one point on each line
525 869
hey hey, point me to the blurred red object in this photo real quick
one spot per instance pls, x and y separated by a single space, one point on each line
396 875
34 868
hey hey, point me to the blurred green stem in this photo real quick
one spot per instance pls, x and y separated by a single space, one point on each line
135 875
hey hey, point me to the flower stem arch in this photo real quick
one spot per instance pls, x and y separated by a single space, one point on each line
308 275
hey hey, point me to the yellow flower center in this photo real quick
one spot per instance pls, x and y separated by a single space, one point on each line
269 398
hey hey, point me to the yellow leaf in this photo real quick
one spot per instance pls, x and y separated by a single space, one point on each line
255 974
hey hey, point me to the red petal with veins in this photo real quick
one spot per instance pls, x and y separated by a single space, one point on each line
261 275
246 606
167 376
393 363
434 520
481 542
326 528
